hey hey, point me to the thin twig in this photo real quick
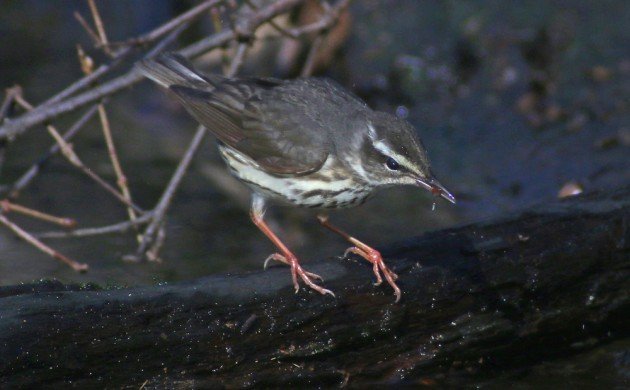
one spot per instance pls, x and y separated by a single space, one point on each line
23 234
64 101
32 172
186 17
181 21
159 47
47 112
329 18
86 81
245 27
322 26
121 227
215 17
153 254
237 59
9 98
98 22
3 150
121 179
309 64
6 206
154 234
272 22
86 27
165 200
7 103
73 158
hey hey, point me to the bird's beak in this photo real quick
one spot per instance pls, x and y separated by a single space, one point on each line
436 188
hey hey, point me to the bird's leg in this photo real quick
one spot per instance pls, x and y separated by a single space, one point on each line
368 253
285 256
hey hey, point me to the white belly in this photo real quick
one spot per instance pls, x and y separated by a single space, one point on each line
304 191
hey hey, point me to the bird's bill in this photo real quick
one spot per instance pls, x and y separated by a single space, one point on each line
436 188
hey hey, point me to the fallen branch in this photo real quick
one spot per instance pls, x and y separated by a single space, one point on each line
481 304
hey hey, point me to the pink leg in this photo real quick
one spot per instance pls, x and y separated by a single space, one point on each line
287 257
368 253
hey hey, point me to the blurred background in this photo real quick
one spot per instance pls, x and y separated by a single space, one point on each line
515 101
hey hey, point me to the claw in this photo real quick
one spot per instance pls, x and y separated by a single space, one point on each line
378 266
274 257
297 270
365 255
369 254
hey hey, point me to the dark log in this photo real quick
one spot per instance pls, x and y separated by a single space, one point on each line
482 304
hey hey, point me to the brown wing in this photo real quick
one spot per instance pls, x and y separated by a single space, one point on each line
263 119
250 117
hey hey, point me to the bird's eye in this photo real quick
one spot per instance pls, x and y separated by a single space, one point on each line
392 164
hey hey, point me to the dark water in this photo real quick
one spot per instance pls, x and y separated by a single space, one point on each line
512 99
512 102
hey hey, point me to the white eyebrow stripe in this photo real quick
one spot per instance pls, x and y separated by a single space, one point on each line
371 132
386 150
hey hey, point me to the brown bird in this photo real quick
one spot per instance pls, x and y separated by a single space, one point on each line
305 142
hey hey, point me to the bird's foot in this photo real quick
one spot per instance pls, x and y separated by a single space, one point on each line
374 257
298 271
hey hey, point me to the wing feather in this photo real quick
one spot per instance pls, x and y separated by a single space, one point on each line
259 117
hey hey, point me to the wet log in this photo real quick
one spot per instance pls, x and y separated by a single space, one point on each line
481 304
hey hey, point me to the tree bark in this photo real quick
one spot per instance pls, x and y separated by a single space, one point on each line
481 304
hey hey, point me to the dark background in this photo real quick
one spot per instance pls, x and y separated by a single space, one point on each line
513 100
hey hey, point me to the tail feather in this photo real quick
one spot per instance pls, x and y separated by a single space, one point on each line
169 69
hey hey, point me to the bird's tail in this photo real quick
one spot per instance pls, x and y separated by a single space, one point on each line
169 69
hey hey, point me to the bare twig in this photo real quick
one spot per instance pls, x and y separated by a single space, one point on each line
154 234
3 151
86 81
121 227
272 22
121 179
73 158
309 64
245 27
32 172
46 112
160 209
98 22
69 99
23 234
330 17
237 59
181 21
86 27
215 17
153 254
322 26
8 206
7 103
9 98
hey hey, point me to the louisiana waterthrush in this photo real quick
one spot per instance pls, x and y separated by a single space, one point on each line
306 142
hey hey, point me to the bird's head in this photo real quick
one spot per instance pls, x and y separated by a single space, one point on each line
392 154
